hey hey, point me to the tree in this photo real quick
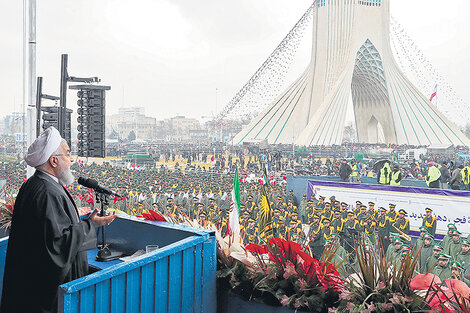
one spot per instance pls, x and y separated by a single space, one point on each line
131 136
349 132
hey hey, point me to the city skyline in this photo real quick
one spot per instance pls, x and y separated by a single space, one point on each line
170 58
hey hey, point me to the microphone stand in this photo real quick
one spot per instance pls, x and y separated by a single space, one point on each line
104 252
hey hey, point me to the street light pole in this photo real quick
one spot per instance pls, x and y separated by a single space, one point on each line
29 76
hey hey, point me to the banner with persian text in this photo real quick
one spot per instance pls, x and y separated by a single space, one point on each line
448 206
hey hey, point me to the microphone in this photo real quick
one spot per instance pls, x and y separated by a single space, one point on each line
93 184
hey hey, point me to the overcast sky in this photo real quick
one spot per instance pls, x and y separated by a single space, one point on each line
170 56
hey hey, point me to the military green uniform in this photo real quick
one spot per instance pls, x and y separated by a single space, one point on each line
350 227
442 272
302 210
403 224
360 218
392 216
383 229
316 240
454 248
446 241
430 223
337 224
369 229
425 253
326 215
464 259
430 263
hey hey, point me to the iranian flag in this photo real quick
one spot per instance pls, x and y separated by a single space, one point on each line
265 177
234 215
434 93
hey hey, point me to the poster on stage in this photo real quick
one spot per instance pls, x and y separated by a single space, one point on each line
448 206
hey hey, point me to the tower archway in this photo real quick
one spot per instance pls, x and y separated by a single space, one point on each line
370 97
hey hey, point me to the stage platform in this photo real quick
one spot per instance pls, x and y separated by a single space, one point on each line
180 276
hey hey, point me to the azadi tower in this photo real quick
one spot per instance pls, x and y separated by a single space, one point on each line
351 55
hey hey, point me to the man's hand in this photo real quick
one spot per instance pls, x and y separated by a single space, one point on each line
101 220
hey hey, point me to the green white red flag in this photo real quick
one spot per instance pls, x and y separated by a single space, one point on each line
234 213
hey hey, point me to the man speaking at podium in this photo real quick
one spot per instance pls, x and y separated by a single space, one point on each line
48 241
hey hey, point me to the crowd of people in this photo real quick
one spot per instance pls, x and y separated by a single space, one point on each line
199 193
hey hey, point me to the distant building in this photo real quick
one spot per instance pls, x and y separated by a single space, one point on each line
180 128
12 124
132 119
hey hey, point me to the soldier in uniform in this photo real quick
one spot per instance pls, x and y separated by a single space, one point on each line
420 240
171 207
372 212
295 218
455 246
402 223
292 197
202 219
295 232
392 214
405 250
251 232
350 230
326 229
430 222
396 251
280 203
303 209
344 210
251 207
321 203
291 207
337 206
464 256
432 260
327 213
212 204
276 217
383 228
337 222
369 229
358 207
244 219
442 268
309 211
280 231
194 208
425 252
316 241
361 217
448 237
458 272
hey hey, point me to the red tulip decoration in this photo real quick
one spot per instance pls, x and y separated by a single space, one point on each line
153 216
288 253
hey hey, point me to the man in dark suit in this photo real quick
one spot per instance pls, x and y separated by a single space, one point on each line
48 241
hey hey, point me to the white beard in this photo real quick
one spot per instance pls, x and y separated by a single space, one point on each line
66 177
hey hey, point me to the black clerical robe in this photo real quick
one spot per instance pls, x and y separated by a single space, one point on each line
45 248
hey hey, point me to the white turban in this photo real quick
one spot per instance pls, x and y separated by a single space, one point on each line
43 147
